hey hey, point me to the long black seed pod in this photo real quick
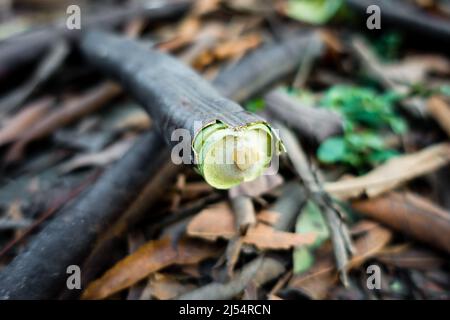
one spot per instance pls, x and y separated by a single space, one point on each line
234 146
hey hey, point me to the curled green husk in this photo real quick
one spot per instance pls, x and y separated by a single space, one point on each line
227 156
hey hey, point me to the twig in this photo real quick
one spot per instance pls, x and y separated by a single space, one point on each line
232 253
310 56
258 69
414 107
410 214
22 121
51 211
244 212
67 238
288 206
44 71
70 111
335 223
439 109
314 124
30 45
9 224
260 271
135 240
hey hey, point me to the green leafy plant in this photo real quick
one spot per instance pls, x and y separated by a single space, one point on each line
313 11
309 220
388 46
366 114
255 105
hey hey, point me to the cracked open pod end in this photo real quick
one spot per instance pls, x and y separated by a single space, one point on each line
227 156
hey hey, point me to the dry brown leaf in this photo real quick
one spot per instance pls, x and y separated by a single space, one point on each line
322 276
101 158
202 7
233 48
151 257
392 174
414 69
257 187
440 111
267 238
186 33
195 189
138 120
218 222
268 217
71 110
212 223
251 6
369 245
24 119
164 287
410 214
332 41
412 258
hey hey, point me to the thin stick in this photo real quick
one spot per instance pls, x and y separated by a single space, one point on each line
338 230
51 62
314 124
244 212
260 271
28 46
73 233
258 68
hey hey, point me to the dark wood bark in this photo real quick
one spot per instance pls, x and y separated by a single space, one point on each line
40 271
173 94
28 46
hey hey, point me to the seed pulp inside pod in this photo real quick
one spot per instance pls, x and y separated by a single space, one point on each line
228 156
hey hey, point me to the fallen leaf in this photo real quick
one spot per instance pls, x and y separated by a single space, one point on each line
257 187
411 214
205 225
310 220
164 287
317 282
439 109
185 34
151 257
135 120
392 174
414 69
203 7
230 49
268 217
412 258
237 47
101 158
267 238
15 126
252 6
70 110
